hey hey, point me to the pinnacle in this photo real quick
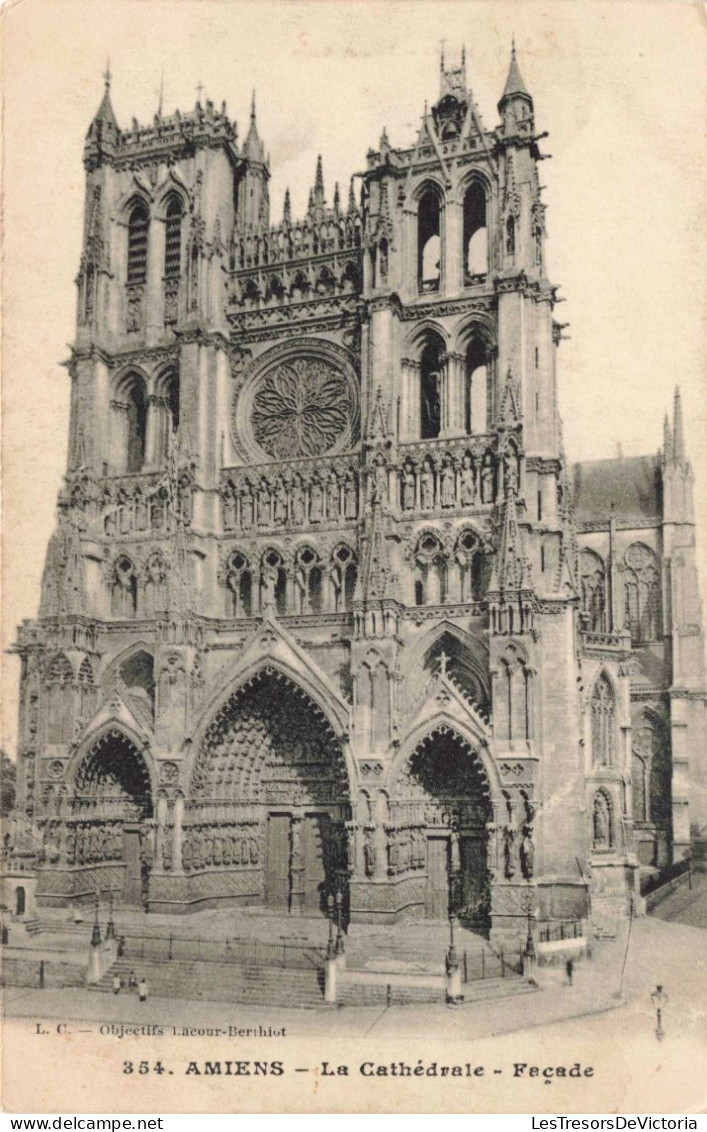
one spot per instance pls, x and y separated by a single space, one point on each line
514 82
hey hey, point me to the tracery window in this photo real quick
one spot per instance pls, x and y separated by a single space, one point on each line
60 700
592 580
124 588
642 593
308 582
138 234
430 571
239 582
603 722
343 578
475 232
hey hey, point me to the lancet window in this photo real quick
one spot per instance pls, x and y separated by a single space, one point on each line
343 578
173 239
431 363
429 243
603 708
124 588
476 388
239 584
138 233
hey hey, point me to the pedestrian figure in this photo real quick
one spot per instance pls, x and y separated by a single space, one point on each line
117 984
121 945
142 990
132 981
569 967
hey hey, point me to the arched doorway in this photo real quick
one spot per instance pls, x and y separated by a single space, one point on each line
111 814
442 793
270 800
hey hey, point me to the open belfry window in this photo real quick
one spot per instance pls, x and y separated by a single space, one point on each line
429 243
430 389
138 231
476 256
475 401
173 239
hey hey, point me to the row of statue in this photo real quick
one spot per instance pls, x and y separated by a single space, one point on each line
295 502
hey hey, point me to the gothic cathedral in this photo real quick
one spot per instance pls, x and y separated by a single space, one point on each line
326 609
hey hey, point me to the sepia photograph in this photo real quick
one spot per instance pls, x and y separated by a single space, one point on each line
354 523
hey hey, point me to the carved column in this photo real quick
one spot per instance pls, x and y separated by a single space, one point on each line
161 817
297 866
177 836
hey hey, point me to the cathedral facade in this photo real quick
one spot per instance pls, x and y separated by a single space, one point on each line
327 614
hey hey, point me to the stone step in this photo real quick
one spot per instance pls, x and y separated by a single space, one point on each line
221 982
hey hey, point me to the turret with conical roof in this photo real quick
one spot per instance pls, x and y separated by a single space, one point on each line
515 105
103 133
253 193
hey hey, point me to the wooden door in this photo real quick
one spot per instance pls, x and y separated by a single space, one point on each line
437 891
277 881
132 885
473 868
315 844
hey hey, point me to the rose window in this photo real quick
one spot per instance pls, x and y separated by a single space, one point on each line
301 408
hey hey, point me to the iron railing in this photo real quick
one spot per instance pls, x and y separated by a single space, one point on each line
282 953
550 931
491 965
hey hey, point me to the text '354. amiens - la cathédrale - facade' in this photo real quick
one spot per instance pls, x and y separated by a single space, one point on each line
326 607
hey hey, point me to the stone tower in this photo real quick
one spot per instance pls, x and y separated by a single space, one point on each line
325 610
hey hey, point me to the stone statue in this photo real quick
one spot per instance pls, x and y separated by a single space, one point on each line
527 853
467 482
369 853
448 486
280 504
263 505
487 483
350 501
247 508
269 582
333 496
427 488
408 488
509 850
316 502
298 507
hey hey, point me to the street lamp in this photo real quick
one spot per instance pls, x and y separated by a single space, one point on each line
330 949
659 999
339 949
110 926
96 932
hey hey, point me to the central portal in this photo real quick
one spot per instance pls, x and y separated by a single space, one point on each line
439 814
271 771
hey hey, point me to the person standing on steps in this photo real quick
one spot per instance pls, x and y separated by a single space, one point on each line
142 990
117 984
569 968
132 981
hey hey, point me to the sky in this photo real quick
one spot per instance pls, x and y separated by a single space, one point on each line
621 88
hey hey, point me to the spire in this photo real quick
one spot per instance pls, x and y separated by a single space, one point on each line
513 568
678 435
104 124
352 199
667 440
319 184
337 199
253 149
287 210
515 87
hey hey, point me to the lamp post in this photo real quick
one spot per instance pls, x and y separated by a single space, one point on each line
339 948
330 948
659 999
110 926
96 932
